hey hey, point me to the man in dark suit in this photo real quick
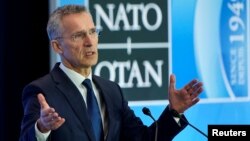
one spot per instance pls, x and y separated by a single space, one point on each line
57 108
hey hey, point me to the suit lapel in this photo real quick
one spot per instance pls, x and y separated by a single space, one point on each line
74 98
105 93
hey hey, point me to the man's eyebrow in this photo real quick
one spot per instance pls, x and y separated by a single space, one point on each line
83 31
79 32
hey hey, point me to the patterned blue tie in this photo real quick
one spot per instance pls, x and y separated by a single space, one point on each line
93 111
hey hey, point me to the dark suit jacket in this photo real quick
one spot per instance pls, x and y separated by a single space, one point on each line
63 95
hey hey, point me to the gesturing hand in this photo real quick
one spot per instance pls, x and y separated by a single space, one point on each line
181 100
49 119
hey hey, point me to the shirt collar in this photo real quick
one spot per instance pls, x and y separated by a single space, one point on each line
75 77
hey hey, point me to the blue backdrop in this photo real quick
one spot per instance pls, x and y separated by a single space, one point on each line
209 40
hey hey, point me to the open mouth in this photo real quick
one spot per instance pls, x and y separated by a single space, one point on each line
89 53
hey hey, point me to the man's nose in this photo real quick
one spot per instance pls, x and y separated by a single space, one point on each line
87 41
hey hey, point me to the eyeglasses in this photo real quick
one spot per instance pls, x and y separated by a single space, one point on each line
80 36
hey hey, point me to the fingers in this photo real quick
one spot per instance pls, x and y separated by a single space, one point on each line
49 118
57 123
51 124
172 81
48 115
190 84
187 96
54 121
42 101
194 87
196 93
195 100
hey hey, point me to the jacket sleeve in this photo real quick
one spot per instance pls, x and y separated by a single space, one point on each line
31 113
168 128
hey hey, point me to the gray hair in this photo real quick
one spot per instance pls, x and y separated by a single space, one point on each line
54 23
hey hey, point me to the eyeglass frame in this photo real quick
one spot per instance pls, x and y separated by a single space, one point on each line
81 35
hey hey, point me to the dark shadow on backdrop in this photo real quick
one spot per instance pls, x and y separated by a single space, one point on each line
1 67
24 56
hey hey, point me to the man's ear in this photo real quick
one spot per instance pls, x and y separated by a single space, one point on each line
56 46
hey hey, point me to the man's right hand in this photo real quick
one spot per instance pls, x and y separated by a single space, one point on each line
49 118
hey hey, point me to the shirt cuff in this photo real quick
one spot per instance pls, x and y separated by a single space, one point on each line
177 120
41 136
